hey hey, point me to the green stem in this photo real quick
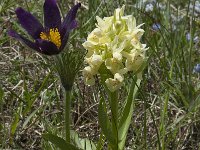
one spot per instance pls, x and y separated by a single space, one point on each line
114 111
67 114
163 121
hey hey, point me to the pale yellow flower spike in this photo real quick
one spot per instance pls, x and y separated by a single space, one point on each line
114 45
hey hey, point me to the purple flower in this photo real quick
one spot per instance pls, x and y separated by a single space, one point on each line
156 26
197 68
188 36
195 39
51 38
149 7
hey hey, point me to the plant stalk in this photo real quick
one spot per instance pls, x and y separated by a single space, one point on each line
67 115
114 111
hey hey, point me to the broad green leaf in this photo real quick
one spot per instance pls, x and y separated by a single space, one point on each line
75 139
127 114
100 142
105 124
82 143
59 142
87 144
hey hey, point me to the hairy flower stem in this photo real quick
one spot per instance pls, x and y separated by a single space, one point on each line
114 111
67 114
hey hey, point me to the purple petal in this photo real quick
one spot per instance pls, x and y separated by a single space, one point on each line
68 24
64 40
197 68
66 36
29 23
156 26
69 20
52 17
27 42
41 46
73 25
47 47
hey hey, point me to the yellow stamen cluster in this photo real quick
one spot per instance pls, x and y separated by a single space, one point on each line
53 36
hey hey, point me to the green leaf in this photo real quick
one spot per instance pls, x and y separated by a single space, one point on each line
30 101
82 143
87 144
14 123
195 104
75 139
100 143
105 124
127 113
29 117
179 92
59 142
